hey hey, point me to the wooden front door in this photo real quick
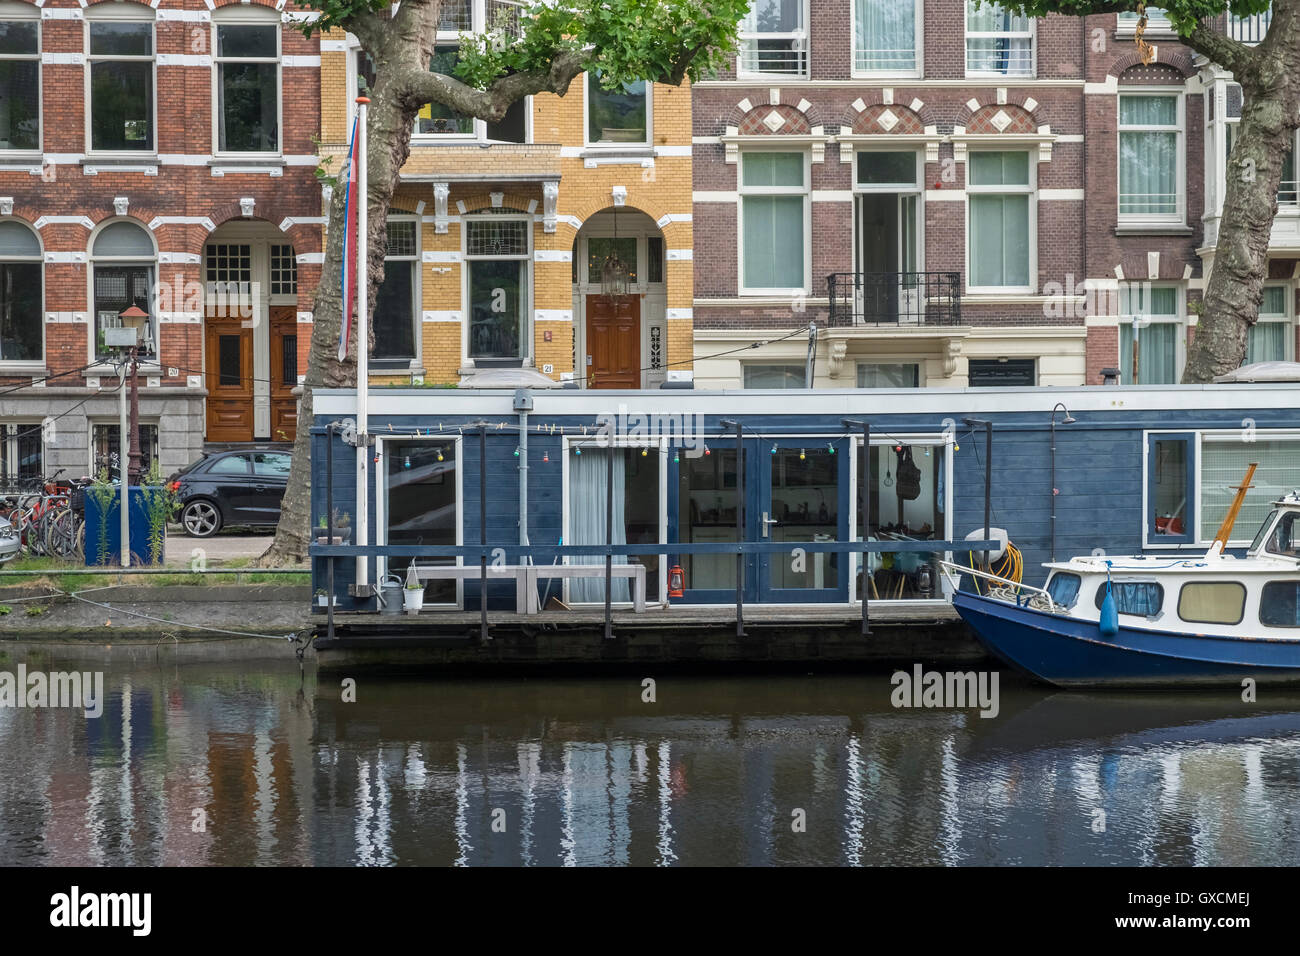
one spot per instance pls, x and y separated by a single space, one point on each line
613 341
229 362
284 372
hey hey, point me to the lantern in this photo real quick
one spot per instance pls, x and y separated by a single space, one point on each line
676 581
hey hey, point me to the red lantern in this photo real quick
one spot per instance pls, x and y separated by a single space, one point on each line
676 581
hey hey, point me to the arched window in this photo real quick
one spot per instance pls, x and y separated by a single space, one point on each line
122 258
22 320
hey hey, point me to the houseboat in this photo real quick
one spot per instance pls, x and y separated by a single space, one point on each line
771 498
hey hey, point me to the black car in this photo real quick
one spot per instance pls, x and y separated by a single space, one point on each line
239 487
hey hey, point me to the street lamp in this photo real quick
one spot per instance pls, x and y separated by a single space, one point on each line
137 320
1067 420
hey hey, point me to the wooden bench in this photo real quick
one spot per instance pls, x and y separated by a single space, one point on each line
634 572
457 572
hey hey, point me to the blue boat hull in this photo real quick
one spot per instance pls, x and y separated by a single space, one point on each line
1072 653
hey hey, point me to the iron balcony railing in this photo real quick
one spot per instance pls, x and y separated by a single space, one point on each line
1249 29
894 298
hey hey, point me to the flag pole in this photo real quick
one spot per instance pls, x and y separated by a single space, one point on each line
363 351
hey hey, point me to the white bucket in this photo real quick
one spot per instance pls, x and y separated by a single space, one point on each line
413 599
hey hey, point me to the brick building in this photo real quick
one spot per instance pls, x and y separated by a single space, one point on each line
159 157
958 196
499 232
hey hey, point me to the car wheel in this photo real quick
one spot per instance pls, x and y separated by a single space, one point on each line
201 518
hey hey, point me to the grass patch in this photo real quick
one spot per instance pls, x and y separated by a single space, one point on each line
45 572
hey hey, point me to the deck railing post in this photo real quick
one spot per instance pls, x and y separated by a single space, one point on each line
483 634
609 540
988 476
866 515
329 525
740 525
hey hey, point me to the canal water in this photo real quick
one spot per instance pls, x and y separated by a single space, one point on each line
268 765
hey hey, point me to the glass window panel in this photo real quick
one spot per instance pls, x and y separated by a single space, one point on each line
106 442
635 515
1212 602
600 248
885 37
496 326
881 375
229 365
707 515
116 289
1139 598
1169 484
1266 342
875 169
1224 463
435 118
122 239
998 169
395 311
1148 111
21 317
421 506
250 98
501 238
774 242
231 465
1279 604
775 376
1157 353
772 169
999 240
512 127
272 464
1064 588
289 360
115 38
401 238
18 37
655 259
247 41
805 500
1274 302
17 240
617 115
121 105
20 104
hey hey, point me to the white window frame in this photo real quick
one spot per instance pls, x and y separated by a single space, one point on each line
918 52
1285 316
10 429
1179 319
114 426
919 364
29 13
742 191
151 365
801 366
28 365
747 32
1031 190
417 285
1126 23
601 144
525 284
121 12
1179 216
1031 35
250 15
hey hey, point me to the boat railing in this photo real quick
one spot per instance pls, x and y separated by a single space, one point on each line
1015 587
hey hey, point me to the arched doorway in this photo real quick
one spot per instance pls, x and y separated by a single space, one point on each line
250 335
620 341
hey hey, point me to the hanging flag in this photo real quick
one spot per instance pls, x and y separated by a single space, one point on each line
349 270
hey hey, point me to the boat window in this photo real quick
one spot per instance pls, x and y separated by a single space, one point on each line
1285 539
1139 598
1263 530
1064 588
1279 604
1212 602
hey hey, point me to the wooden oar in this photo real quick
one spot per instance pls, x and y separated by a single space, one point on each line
1225 529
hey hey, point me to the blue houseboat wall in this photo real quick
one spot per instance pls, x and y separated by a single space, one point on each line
1142 468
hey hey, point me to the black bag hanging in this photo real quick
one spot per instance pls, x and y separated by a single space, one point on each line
909 476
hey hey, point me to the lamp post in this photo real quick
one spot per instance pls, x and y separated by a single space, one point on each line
1067 420
136 319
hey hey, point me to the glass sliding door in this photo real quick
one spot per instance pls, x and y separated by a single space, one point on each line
422 506
706 514
908 485
637 513
801 501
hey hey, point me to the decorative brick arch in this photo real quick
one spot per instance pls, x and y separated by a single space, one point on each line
589 209
1006 118
508 201
874 102
215 5
1136 267
1176 57
886 118
778 120
755 112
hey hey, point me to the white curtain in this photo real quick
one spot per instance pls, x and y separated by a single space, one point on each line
588 484
999 240
773 242
1148 159
1012 55
1157 353
886 35
1267 342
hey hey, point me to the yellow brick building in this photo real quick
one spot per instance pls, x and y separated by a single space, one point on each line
500 235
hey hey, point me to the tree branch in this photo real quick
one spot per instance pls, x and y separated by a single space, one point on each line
421 87
1228 53
367 27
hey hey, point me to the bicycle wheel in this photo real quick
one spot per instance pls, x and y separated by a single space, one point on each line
61 535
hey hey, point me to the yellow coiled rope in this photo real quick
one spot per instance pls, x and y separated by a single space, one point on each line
1009 567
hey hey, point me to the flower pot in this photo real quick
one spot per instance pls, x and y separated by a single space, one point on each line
413 600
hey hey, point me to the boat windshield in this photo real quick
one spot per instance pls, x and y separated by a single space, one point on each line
1285 538
1263 530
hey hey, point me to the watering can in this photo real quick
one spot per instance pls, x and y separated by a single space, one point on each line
390 596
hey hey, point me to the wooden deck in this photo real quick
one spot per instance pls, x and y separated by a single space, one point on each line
695 634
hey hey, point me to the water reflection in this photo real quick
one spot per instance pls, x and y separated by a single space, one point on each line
205 766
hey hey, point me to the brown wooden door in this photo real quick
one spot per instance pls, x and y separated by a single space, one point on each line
229 361
284 373
614 341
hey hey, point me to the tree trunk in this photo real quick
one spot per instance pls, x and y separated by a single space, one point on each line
1268 122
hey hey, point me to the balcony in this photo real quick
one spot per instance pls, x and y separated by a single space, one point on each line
1251 29
902 299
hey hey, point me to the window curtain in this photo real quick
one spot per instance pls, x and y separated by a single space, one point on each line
999 240
1148 160
773 237
1266 342
1157 353
1008 55
588 487
1136 597
886 35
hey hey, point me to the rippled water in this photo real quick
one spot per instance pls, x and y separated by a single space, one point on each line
261 764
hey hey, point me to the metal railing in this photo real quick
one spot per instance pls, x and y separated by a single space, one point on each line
1250 29
894 298
955 571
